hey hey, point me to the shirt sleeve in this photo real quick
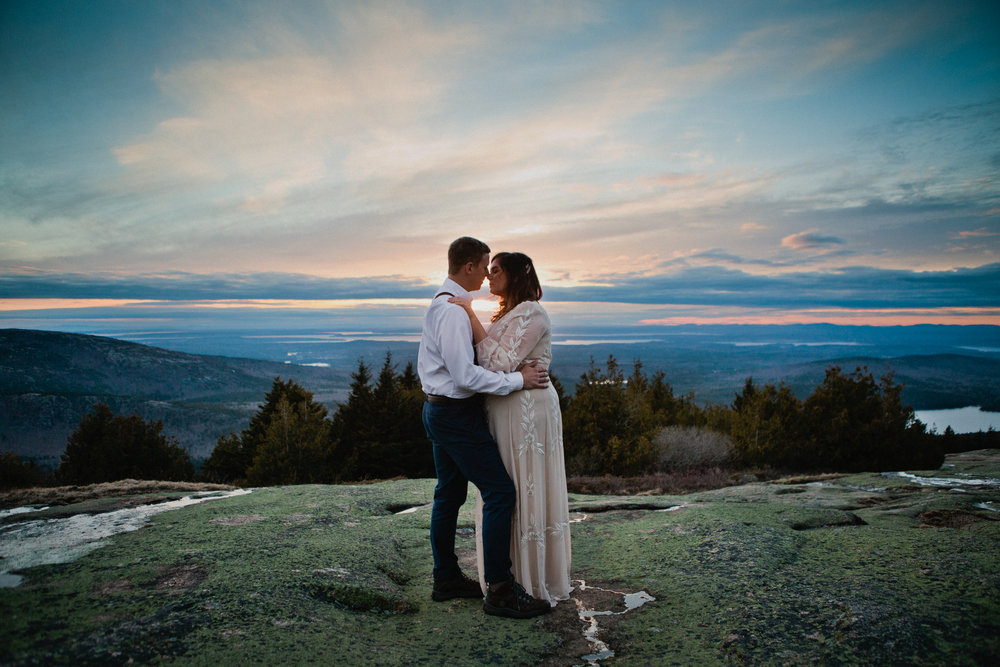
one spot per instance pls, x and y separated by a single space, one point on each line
456 348
509 349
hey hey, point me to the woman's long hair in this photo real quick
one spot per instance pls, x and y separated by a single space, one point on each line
522 281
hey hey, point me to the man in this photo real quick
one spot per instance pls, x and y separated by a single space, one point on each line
464 450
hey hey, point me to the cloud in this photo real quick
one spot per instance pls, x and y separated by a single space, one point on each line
982 232
285 119
849 287
179 286
348 139
810 240
367 106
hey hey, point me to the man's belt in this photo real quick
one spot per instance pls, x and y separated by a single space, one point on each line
434 398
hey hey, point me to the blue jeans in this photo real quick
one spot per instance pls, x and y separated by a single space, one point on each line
464 451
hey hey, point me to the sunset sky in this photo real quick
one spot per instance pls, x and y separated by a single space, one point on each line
662 162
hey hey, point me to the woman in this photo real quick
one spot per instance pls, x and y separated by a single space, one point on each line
527 426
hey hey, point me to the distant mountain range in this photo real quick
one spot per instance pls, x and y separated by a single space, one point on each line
49 380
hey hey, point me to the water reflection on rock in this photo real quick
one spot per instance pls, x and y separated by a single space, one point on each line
944 481
590 617
49 541
21 510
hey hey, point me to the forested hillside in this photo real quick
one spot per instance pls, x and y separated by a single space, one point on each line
49 381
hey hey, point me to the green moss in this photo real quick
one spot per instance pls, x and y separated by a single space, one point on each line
838 572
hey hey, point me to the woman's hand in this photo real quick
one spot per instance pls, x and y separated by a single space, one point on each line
463 302
478 332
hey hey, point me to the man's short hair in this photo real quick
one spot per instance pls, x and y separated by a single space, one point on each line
464 250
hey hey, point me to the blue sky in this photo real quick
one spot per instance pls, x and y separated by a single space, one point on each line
662 162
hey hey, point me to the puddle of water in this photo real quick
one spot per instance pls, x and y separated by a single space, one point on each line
590 616
636 600
50 541
601 650
672 509
412 510
866 489
988 505
943 481
21 510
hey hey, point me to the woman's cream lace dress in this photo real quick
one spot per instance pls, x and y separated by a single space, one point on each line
527 426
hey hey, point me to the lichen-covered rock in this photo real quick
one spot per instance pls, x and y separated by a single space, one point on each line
858 569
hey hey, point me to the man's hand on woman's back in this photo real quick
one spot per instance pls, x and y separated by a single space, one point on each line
535 376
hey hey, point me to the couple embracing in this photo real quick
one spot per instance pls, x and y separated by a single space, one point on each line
493 420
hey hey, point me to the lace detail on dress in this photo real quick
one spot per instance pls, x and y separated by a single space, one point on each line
520 325
521 335
533 534
557 530
529 438
536 535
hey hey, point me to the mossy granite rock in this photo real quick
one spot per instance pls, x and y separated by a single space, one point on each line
858 569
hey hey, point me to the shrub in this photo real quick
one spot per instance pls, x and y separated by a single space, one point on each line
686 447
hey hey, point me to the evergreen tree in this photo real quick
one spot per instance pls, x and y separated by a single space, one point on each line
409 381
287 433
228 462
106 447
293 450
765 424
16 472
654 405
855 423
380 429
603 427
564 398
350 424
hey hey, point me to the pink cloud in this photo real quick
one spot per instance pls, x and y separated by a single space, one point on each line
981 232
810 239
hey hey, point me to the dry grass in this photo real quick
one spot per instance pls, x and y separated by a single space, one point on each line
806 479
65 495
661 483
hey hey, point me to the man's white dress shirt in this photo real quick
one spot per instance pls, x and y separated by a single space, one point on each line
445 361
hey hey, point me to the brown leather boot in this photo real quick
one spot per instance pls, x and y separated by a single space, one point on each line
508 598
460 587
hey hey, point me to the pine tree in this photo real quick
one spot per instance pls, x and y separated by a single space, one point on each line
16 472
228 462
765 425
106 447
350 424
855 423
380 430
285 443
293 450
603 426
